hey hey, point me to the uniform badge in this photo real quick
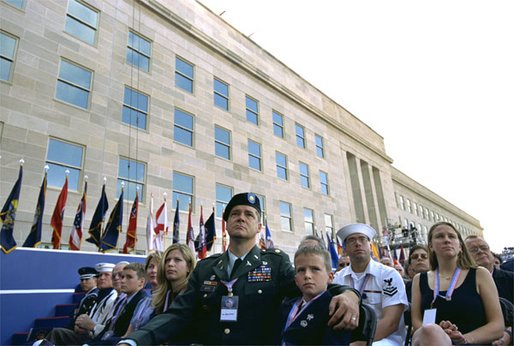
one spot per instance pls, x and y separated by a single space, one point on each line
260 274
213 277
389 290
304 323
310 317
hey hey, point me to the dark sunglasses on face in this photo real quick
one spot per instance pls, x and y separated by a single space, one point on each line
419 256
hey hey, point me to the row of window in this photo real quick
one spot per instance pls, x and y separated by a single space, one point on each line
425 213
65 156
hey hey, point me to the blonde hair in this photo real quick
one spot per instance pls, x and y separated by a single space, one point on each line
163 285
156 256
464 259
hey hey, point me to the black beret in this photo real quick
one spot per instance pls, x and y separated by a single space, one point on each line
246 198
87 272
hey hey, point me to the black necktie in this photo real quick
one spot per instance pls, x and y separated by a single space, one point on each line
237 263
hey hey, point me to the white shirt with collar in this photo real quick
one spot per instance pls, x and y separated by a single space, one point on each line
384 287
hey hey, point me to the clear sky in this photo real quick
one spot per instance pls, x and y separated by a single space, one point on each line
434 78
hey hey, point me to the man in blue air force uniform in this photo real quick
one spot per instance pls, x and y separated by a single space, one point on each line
232 298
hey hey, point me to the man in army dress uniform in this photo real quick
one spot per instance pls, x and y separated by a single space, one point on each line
233 297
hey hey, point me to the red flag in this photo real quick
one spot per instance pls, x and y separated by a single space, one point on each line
58 215
223 235
202 245
190 236
130 242
161 226
76 232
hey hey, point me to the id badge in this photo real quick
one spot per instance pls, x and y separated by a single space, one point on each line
429 316
229 305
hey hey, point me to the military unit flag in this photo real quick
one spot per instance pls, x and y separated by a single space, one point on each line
58 215
75 240
113 227
95 229
210 230
130 242
161 226
34 237
8 215
176 225
150 227
190 235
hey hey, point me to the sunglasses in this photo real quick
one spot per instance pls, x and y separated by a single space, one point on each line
419 256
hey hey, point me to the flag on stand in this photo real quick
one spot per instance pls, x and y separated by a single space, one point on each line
224 240
402 255
333 252
176 225
375 253
262 239
339 246
210 230
113 227
190 235
8 215
161 226
34 237
58 215
130 241
76 232
269 241
150 227
95 229
201 246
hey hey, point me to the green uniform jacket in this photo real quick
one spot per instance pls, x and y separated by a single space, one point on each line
264 278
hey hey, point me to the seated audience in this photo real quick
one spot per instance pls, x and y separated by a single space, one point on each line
455 302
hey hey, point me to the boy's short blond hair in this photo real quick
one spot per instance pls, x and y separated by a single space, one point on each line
315 250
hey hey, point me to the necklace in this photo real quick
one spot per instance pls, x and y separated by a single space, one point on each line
445 277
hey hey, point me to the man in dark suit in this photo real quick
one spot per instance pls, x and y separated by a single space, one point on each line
504 280
232 297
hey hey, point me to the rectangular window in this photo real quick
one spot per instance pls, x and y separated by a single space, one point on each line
305 179
183 128
222 142
426 213
402 202
278 124
308 220
61 157
320 147
139 51
135 108
323 180
254 155
74 84
8 46
220 94
20 4
286 221
409 207
132 173
329 225
252 110
223 196
281 161
420 208
183 190
184 75
300 136
414 208
81 21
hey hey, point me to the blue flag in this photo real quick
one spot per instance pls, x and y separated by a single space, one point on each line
8 216
210 231
176 225
333 252
95 229
34 237
113 227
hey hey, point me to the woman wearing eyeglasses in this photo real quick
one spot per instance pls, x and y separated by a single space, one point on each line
455 302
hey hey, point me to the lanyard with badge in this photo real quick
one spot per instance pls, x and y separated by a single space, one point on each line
229 303
363 285
430 314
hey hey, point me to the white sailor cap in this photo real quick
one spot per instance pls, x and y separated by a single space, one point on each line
350 229
104 267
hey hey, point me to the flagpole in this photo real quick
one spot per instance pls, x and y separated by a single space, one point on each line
118 248
164 194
